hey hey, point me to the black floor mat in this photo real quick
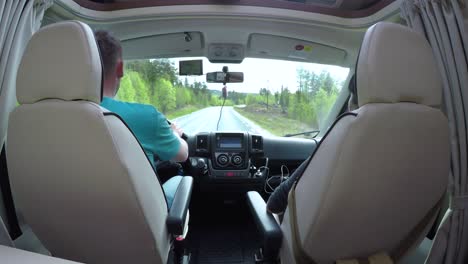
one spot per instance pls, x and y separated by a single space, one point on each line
220 245
225 233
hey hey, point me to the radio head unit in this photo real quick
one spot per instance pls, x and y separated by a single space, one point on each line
230 151
230 141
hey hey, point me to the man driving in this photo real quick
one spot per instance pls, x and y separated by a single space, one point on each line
158 138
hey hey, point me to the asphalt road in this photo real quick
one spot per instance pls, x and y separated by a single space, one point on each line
205 120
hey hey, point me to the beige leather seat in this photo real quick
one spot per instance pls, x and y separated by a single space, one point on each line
17 256
374 181
11 255
78 174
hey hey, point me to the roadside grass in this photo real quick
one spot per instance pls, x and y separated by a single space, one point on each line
183 111
273 120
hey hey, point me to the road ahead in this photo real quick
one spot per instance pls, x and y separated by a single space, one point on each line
205 120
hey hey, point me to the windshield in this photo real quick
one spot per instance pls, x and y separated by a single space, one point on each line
277 97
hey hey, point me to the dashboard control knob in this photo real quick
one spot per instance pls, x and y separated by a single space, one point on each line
193 162
237 160
223 159
201 164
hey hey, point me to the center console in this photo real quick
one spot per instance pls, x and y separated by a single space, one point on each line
229 155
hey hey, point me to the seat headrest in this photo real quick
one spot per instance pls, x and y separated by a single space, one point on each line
395 65
61 61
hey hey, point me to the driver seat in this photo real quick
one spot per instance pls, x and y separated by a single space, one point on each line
77 172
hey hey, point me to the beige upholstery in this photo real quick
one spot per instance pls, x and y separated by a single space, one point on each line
16 256
387 71
61 63
382 168
80 177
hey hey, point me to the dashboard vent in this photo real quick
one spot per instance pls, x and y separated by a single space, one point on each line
257 143
202 143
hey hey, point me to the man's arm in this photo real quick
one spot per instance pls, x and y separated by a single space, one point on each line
168 144
278 201
182 154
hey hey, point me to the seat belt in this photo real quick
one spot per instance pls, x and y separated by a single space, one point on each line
12 219
381 258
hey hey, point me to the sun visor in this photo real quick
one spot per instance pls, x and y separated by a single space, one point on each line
276 47
183 44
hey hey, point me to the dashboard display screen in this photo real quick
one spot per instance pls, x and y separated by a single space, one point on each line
230 142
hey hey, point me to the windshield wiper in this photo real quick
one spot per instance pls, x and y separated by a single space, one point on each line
306 133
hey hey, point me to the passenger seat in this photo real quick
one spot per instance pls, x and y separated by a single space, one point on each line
373 187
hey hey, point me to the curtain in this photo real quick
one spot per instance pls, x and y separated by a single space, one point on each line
442 22
19 19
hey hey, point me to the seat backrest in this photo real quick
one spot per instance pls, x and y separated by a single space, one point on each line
78 174
381 168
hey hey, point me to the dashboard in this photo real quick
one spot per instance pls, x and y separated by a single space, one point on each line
220 158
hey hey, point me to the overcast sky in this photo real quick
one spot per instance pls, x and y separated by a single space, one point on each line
260 73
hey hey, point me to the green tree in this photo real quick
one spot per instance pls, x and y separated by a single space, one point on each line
250 99
328 84
284 99
126 91
265 93
135 88
322 104
237 98
165 97
182 96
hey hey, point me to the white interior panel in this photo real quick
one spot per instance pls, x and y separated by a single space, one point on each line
269 46
233 31
166 45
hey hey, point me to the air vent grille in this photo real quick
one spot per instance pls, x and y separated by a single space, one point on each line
202 143
257 143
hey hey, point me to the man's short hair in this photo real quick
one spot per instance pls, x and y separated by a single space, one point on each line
110 49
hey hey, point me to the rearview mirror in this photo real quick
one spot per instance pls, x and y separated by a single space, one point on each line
221 77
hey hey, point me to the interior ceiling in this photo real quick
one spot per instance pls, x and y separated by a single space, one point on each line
159 39
262 33
340 8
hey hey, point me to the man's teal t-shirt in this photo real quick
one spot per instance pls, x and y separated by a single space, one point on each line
149 126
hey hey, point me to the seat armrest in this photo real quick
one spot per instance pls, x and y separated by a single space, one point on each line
178 213
266 223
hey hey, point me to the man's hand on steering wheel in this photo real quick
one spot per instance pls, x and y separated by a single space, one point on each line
177 129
